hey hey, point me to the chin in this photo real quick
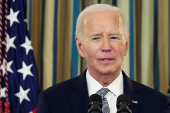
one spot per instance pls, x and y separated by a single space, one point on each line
111 71
107 72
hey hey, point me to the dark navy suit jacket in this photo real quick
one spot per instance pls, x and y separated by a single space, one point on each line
71 96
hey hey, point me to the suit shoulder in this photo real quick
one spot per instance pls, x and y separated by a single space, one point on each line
58 88
147 91
151 99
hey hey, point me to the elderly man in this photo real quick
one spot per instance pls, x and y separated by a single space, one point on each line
102 39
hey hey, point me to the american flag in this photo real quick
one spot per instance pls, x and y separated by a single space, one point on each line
19 80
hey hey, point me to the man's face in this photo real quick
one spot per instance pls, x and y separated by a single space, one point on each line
104 44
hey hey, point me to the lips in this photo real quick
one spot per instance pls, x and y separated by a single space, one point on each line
106 59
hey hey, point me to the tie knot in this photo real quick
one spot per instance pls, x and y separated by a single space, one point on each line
103 92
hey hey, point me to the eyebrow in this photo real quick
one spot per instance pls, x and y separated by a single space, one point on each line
101 34
115 34
96 34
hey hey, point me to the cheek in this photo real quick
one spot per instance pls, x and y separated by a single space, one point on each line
90 51
87 52
120 49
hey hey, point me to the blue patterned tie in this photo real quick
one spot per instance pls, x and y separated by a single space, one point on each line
103 92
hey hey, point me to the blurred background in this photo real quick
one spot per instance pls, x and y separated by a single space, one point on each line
38 47
51 25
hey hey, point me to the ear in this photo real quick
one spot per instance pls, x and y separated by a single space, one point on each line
79 47
126 46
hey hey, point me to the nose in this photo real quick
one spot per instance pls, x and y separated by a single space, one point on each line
106 47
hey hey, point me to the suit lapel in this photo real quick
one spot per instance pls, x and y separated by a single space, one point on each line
131 90
78 95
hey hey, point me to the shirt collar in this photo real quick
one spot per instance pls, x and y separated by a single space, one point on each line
92 85
115 87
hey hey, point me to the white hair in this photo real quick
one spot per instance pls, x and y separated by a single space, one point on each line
99 8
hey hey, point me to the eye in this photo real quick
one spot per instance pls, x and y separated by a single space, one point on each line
96 38
113 37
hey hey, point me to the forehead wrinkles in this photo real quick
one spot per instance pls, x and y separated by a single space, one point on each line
85 26
115 25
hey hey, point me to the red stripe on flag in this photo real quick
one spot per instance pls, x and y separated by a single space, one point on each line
34 110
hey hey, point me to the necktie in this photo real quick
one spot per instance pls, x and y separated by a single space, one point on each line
103 92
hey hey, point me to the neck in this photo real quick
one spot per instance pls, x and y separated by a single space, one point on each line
104 79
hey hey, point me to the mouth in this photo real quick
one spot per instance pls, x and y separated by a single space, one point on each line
106 59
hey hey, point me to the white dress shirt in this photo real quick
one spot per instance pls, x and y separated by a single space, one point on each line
116 89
